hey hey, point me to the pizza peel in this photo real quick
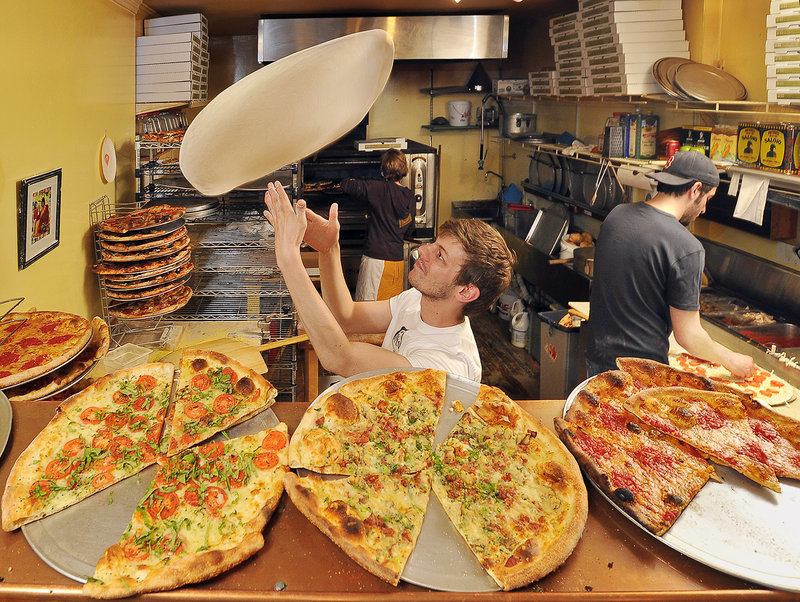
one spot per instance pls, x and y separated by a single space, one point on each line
284 112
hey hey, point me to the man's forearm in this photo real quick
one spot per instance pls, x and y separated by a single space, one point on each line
334 287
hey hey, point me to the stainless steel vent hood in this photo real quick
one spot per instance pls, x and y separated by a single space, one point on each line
415 37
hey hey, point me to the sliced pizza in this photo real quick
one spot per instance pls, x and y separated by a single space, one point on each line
377 425
512 490
103 434
203 514
716 424
649 475
375 519
214 392
62 377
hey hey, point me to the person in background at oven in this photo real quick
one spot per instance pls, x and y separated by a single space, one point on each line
648 271
458 275
392 210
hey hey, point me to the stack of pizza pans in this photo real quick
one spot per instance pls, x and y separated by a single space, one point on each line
46 352
145 262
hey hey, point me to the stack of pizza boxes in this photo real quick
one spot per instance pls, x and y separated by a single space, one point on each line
782 55
567 40
172 60
623 38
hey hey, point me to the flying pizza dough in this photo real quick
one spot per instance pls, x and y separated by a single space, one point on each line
285 111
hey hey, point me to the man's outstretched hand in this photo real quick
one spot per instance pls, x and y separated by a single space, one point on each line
288 222
322 234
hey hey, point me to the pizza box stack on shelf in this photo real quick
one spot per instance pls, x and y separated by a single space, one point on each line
782 56
567 41
623 38
542 83
172 60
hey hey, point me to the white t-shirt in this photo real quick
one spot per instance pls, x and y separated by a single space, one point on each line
452 349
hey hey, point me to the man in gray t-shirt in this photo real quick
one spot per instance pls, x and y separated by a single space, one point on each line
647 274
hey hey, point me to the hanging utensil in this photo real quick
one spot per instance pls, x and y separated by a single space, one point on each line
603 168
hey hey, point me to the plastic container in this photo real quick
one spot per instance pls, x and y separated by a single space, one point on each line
504 304
558 356
459 112
519 329
125 356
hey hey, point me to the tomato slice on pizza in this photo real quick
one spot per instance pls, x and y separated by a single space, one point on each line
214 392
202 514
103 434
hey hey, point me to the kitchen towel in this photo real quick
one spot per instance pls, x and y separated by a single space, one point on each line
752 198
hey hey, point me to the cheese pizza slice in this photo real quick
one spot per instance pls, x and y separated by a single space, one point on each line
511 489
214 392
375 519
715 424
383 424
203 514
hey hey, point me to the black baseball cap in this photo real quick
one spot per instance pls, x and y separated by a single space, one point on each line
687 166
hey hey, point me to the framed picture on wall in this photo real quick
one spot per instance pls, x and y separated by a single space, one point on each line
38 216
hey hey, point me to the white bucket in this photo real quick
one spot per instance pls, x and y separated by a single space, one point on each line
519 329
504 304
459 111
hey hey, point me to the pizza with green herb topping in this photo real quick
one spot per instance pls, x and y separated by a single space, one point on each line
203 513
383 424
375 519
105 433
214 392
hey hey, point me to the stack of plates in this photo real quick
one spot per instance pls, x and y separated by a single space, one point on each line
687 80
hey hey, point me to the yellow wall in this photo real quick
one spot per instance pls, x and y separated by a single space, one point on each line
68 80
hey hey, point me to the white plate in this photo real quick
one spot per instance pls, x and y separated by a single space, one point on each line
737 527
6 416
108 160
73 541
441 559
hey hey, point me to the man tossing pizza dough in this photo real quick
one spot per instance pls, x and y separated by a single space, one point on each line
458 275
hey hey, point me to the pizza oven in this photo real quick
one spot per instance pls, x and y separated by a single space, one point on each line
321 173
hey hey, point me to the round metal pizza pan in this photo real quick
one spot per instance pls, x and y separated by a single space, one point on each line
146 295
151 315
74 381
441 559
150 226
73 541
6 416
54 368
736 527
147 274
153 232
169 262
173 247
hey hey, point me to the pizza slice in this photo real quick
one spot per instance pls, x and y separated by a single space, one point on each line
763 385
99 436
214 392
374 519
779 437
43 386
648 373
714 423
511 489
378 425
203 514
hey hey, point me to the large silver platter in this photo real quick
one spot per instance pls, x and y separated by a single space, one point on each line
6 416
737 527
73 541
441 559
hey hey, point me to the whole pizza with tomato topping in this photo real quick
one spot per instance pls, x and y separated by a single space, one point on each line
214 392
38 342
103 434
142 219
203 514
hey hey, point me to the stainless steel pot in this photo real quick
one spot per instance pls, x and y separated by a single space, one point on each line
583 260
518 124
